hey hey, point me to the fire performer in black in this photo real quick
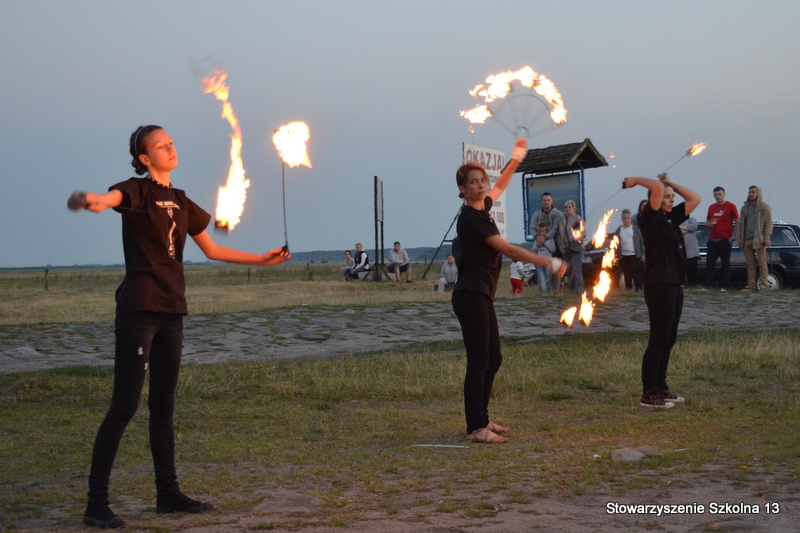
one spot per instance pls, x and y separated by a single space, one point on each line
479 260
665 277
151 304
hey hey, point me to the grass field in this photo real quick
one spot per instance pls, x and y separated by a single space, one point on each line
80 296
349 430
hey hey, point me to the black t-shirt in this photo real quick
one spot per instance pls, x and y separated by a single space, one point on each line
155 222
665 251
479 264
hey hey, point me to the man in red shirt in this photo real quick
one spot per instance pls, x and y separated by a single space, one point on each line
721 219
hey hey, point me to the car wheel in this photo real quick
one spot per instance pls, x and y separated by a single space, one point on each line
774 282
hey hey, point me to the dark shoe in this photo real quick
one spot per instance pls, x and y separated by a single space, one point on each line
671 397
102 516
655 401
180 503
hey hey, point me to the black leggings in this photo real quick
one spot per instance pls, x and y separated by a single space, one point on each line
475 312
665 305
144 341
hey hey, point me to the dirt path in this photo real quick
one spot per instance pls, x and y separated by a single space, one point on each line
326 331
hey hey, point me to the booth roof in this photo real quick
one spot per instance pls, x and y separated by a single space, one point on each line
562 157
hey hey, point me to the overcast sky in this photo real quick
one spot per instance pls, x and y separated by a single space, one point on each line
380 85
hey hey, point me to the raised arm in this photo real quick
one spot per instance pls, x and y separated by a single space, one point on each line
691 198
656 188
216 252
520 150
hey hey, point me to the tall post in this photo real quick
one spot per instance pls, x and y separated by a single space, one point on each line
376 268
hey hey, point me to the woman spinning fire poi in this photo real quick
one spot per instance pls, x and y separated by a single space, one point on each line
479 263
151 304
664 279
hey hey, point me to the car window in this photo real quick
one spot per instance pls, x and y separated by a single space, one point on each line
702 235
783 237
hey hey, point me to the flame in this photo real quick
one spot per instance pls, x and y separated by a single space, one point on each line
608 257
290 140
600 235
476 115
603 285
500 86
601 288
231 196
568 316
697 148
578 233
587 307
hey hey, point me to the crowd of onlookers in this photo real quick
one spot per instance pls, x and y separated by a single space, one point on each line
558 234
561 234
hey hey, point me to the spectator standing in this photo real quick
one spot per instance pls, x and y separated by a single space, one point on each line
721 219
544 247
547 215
570 241
753 232
517 273
631 251
689 227
398 262
635 218
448 275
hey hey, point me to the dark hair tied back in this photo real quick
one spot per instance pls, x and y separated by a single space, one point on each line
137 144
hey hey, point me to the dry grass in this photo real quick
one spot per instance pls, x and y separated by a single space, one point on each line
87 296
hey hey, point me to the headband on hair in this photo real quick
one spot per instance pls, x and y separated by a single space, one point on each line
136 140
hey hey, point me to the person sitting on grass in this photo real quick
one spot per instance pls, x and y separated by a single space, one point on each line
398 263
448 276
361 264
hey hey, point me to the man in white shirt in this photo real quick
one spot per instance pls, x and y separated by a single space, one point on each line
398 262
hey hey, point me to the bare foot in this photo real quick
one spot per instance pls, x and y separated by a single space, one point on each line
497 428
486 436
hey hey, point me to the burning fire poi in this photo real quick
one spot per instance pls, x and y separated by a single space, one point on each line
500 86
691 152
231 196
290 140
603 285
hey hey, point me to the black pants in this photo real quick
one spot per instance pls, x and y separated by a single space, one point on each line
718 249
692 272
144 341
475 312
631 268
665 305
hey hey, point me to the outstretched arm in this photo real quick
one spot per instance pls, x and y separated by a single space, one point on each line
216 252
520 150
554 264
94 202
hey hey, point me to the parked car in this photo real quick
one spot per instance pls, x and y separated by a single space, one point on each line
783 259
